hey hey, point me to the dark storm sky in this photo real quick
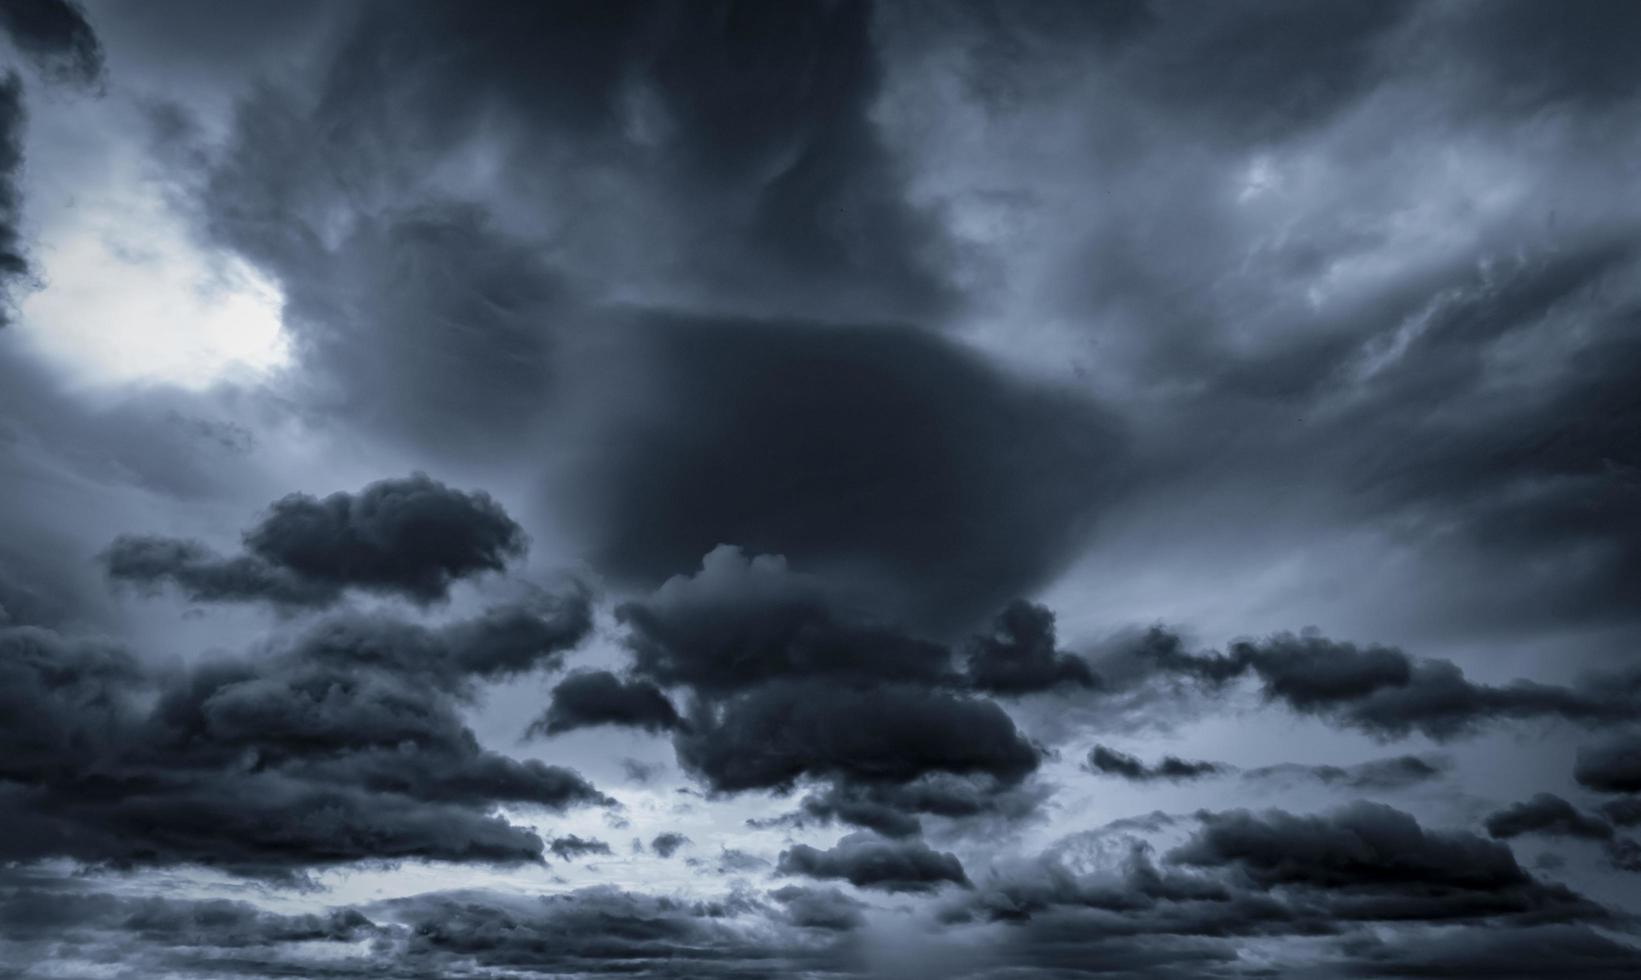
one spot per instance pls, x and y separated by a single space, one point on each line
988 489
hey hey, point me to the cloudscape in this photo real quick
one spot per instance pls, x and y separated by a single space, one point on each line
996 489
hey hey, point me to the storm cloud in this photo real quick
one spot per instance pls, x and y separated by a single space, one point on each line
888 734
355 723
14 265
1612 765
1019 656
932 437
871 862
54 35
1382 690
598 697
879 451
411 537
1549 815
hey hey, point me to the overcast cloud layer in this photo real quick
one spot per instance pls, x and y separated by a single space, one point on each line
821 489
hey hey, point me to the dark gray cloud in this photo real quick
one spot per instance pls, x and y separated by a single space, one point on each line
211 922
1366 848
592 931
1382 690
820 908
600 930
867 861
1549 815
1258 74
1217 243
343 745
1018 656
54 35
1533 59
202 575
732 153
1359 879
785 676
14 264
889 734
597 697
884 454
894 809
76 918
1243 317
1110 762
530 634
413 537
1508 954
740 621
1612 765
1624 811
1377 775
570 847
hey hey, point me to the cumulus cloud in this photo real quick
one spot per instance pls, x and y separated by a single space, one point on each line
792 684
343 745
597 697
411 537
820 908
1019 657
742 620
55 36
1380 690
866 861
770 737
570 847
1612 765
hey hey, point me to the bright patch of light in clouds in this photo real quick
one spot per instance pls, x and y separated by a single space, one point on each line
130 296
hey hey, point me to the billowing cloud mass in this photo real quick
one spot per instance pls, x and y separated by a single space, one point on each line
870 862
54 35
1549 814
13 262
1375 857
820 489
344 745
598 697
1384 691
1019 656
887 454
886 734
412 537
743 620
1612 765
